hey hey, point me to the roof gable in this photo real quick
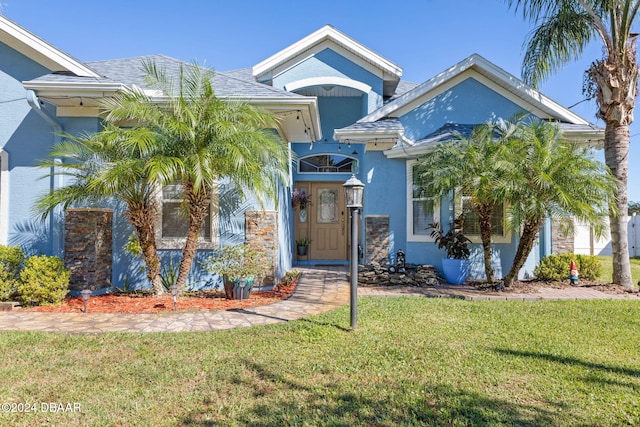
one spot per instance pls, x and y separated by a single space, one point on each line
488 74
40 51
328 37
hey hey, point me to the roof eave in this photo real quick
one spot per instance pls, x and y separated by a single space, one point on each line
490 71
40 51
326 33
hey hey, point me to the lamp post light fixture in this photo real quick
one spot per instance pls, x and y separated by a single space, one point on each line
174 294
354 191
85 293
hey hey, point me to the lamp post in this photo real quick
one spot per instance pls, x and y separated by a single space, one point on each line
354 191
86 293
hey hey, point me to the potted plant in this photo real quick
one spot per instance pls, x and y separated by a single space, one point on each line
240 267
455 266
302 245
300 199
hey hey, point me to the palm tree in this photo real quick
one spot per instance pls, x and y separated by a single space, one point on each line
552 178
472 167
110 164
563 29
204 139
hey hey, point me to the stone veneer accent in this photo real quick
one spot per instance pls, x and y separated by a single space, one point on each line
376 229
88 247
261 231
560 242
414 275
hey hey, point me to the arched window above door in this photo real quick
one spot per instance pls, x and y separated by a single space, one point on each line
327 163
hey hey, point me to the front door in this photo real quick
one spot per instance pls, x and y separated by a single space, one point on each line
326 221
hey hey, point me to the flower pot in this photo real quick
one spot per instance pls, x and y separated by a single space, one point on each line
238 288
455 270
302 250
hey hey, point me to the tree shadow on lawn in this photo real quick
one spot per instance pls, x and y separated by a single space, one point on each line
333 399
570 361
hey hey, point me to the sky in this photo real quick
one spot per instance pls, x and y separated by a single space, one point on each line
424 37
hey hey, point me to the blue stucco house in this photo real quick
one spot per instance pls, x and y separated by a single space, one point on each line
343 109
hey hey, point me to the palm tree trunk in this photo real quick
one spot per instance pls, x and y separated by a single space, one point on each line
484 218
198 204
616 148
617 80
142 218
527 240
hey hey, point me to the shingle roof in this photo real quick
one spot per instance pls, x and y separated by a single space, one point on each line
447 132
391 124
403 87
129 71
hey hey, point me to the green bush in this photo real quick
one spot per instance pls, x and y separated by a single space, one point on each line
556 267
11 261
44 280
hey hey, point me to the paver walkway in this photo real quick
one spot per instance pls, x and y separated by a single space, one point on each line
320 289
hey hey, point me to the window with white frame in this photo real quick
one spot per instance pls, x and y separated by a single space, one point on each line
422 209
173 224
471 223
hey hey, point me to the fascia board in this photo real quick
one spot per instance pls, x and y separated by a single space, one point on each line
404 152
594 138
72 87
326 33
40 51
342 135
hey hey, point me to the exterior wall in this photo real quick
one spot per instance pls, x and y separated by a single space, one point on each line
328 63
26 138
468 102
336 113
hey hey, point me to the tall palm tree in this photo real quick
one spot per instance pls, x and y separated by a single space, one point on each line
204 139
563 29
552 178
472 167
110 164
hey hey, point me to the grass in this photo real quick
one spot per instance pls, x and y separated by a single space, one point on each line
607 269
412 361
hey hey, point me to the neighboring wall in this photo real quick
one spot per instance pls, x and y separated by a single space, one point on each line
588 244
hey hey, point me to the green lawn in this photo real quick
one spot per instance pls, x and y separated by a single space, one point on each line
413 361
607 269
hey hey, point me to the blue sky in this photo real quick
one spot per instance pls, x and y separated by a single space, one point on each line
424 37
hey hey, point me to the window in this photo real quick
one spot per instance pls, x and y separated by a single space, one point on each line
471 224
422 210
327 163
173 225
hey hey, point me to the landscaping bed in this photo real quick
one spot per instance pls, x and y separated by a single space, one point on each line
533 286
145 303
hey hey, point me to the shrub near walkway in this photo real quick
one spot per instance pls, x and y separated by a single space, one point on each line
413 361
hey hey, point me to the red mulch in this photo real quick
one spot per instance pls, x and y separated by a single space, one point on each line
141 303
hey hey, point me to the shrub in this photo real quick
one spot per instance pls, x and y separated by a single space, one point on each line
44 280
556 267
11 261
